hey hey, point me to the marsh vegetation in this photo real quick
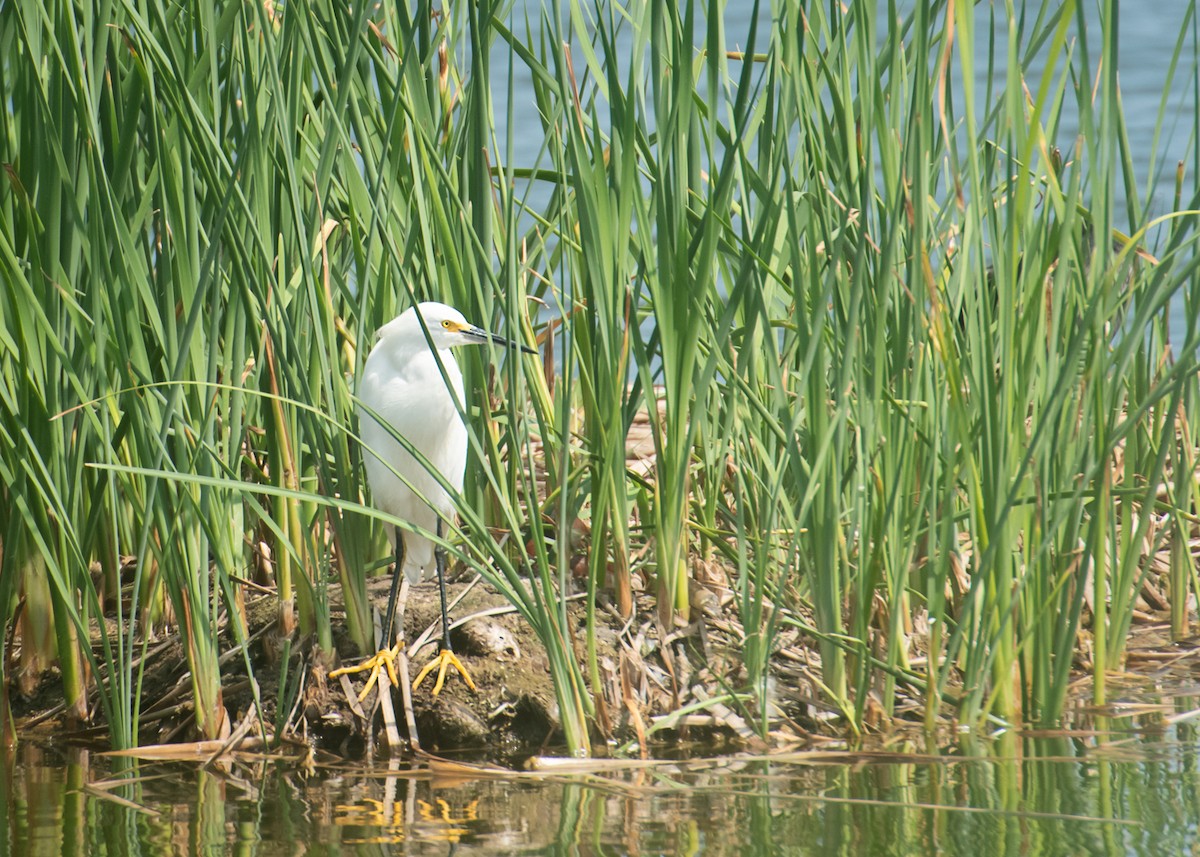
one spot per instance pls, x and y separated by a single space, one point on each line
857 401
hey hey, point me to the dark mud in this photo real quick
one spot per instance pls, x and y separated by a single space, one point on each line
647 675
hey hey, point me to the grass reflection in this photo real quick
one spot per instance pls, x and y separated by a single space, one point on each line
1106 792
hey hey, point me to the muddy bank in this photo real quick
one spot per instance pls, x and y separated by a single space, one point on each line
658 688
647 677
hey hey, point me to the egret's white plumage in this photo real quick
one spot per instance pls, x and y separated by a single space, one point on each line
412 383
404 384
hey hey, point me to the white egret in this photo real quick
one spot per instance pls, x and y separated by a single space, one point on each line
412 382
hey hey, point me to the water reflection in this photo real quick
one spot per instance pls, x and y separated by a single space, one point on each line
1012 795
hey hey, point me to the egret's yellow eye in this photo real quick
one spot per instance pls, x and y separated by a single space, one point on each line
446 324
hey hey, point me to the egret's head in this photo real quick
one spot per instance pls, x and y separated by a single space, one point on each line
446 325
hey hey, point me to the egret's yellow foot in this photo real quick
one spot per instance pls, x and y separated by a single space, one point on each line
375 663
443 662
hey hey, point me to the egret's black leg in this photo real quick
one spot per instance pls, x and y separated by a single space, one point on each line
388 632
446 657
439 560
388 651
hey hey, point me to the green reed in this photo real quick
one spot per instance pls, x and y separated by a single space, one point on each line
904 358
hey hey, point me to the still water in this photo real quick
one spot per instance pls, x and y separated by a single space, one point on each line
1111 791
1156 97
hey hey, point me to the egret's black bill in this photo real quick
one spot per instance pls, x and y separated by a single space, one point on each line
508 343
496 339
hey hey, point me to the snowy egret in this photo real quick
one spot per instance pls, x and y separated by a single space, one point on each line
412 382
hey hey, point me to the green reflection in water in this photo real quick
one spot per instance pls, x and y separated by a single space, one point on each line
1011 795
